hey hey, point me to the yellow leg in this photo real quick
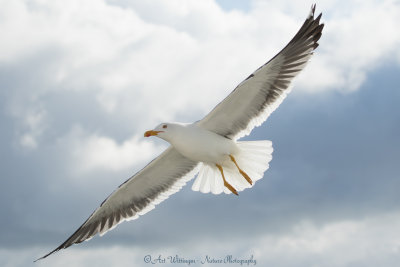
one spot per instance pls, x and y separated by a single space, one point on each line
233 190
241 171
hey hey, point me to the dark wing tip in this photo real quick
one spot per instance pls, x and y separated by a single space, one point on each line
70 241
48 254
319 17
311 28
312 11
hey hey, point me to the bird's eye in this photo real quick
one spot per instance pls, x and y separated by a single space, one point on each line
164 126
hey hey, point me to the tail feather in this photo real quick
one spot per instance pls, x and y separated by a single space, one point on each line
205 183
253 158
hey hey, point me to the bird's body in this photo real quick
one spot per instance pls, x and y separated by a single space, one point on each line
199 144
210 147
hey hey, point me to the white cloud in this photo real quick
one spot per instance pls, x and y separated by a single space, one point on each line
28 141
94 152
99 152
371 241
153 59
31 123
356 40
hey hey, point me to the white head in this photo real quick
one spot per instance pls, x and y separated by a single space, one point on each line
164 131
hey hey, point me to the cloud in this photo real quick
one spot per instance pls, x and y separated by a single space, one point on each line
366 242
32 126
358 39
94 152
362 242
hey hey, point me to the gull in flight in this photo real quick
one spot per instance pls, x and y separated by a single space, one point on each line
209 147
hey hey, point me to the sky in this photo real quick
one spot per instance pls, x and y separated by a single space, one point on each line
80 82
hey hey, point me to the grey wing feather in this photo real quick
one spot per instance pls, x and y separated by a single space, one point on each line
161 178
254 99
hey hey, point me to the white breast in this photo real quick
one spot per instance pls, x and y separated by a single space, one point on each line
202 145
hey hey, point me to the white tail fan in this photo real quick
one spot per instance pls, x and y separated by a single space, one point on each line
253 158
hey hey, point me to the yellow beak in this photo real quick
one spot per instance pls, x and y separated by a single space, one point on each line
151 133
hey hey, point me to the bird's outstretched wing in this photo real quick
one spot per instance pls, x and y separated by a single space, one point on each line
253 100
161 178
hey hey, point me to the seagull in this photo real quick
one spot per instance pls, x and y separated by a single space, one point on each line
209 147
